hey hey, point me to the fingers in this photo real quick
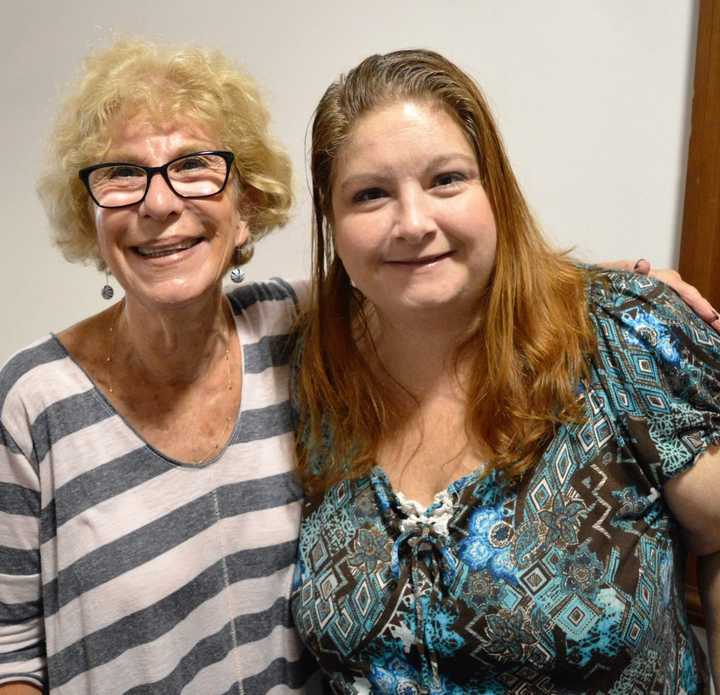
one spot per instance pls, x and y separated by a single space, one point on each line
619 265
715 319
690 295
642 266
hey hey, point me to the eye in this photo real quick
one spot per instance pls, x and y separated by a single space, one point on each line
190 163
449 178
368 194
122 171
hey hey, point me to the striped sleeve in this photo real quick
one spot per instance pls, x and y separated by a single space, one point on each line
22 647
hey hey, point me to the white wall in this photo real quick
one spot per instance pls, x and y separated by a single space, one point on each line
592 97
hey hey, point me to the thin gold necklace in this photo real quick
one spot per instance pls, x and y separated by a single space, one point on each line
109 361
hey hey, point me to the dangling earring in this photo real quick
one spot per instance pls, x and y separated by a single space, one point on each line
107 291
243 254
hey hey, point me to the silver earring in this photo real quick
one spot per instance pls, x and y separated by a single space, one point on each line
243 254
107 291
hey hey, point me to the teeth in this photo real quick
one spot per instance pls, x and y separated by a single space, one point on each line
154 252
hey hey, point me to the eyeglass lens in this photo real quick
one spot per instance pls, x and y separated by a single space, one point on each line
194 176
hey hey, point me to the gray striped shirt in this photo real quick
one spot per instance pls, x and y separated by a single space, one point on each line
122 571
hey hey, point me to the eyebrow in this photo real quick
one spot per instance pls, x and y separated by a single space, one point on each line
378 177
124 156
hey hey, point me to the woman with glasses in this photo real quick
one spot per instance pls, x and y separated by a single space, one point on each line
149 509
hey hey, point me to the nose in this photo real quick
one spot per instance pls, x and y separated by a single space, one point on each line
414 220
160 201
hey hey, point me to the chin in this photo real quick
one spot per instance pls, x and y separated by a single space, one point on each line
175 295
452 303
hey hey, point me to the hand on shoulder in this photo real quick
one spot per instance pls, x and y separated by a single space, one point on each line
687 292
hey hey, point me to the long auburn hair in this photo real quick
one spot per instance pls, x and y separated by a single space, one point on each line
531 334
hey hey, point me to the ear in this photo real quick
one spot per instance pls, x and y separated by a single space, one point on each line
245 204
242 231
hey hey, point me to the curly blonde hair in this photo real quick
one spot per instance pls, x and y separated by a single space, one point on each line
187 84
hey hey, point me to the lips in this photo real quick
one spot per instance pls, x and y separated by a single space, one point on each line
422 260
166 249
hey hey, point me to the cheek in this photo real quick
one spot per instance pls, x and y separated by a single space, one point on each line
109 229
483 235
362 237
484 253
226 221
103 231
350 251
490 243
108 222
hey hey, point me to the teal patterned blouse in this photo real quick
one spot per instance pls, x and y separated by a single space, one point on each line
568 581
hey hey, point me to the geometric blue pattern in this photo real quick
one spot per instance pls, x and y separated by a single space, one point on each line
568 580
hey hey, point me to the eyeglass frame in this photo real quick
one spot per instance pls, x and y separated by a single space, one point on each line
150 172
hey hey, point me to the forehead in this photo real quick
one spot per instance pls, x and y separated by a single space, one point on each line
401 130
144 137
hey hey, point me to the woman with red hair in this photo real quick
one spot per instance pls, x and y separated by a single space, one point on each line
506 454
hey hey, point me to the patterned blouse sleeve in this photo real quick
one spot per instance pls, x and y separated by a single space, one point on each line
660 365
22 649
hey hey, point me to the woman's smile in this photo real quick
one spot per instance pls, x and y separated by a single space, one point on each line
425 261
413 225
168 249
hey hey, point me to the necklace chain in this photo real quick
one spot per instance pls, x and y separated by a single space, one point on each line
110 357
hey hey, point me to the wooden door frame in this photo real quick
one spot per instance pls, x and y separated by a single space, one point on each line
700 242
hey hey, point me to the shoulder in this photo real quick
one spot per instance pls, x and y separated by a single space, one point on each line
88 341
631 310
41 355
659 365
267 315
57 365
644 317
275 295
31 381
620 295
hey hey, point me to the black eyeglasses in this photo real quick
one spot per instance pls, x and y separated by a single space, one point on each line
196 175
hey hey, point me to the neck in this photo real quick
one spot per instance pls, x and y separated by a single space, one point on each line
172 346
418 351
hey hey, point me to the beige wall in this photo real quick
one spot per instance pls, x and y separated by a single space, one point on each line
592 98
